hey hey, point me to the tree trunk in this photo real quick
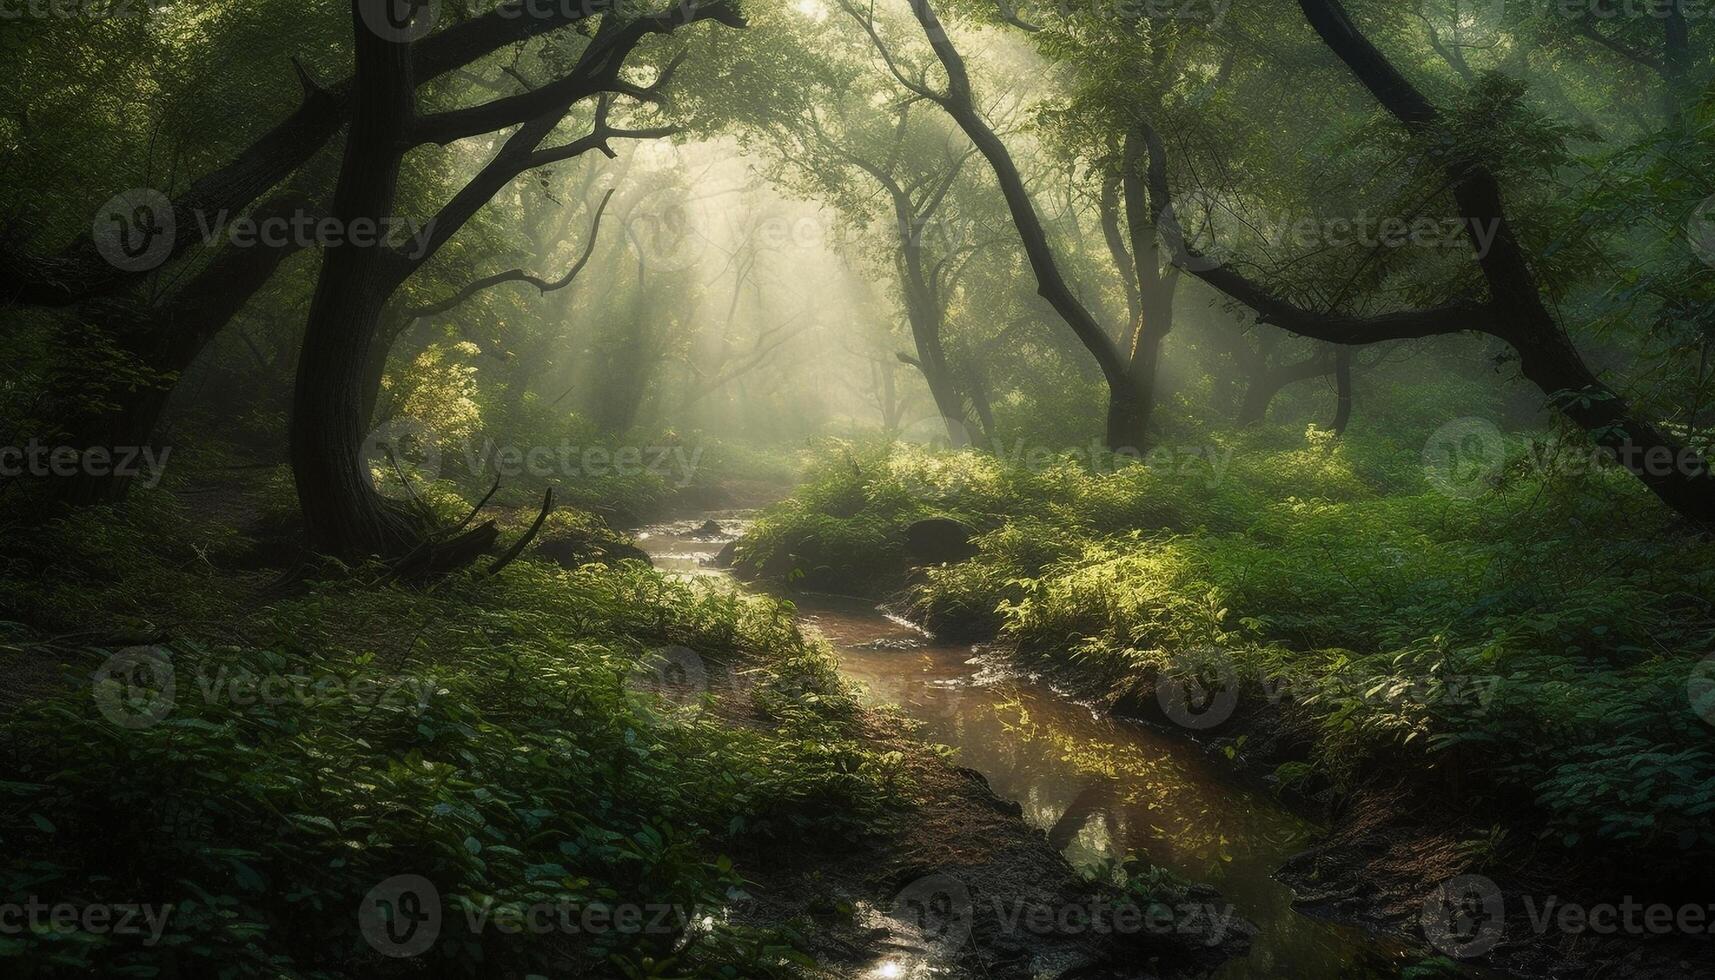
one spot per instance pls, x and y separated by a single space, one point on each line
977 385
166 340
1126 413
1676 56
1268 380
931 361
924 313
1343 390
343 514
1129 410
1155 287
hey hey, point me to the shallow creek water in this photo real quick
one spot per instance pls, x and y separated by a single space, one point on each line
1127 787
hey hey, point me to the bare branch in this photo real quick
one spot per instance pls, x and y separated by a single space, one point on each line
543 286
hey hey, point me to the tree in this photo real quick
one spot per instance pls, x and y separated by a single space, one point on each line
165 334
1514 311
343 514
1128 404
849 128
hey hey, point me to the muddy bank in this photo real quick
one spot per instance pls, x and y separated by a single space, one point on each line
1408 851
958 885
1421 856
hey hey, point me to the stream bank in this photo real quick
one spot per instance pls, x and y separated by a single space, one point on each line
1081 786
957 885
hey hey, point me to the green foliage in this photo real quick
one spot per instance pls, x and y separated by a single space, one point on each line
1501 646
495 736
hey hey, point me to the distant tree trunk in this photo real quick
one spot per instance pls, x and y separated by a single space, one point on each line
166 340
931 362
1276 377
1128 409
1150 290
1342 390
977 385
925 314
616 398
1676 55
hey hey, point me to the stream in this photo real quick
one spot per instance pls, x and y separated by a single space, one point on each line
1128 788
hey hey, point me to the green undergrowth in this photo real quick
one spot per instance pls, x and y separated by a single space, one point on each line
1532 645
595 738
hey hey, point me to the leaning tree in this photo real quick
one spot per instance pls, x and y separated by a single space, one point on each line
343 513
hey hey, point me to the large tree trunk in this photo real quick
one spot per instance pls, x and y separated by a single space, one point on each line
343 513
209 301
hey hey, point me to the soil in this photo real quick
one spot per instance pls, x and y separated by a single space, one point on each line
1398 835
960 835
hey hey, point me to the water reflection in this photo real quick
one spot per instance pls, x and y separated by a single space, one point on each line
1102 788
1098 787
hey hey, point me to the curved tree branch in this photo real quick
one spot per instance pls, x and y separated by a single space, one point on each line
543 286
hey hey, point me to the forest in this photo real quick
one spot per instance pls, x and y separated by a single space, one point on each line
859 489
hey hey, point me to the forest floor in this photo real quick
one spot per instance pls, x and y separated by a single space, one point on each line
1498 712
537 758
